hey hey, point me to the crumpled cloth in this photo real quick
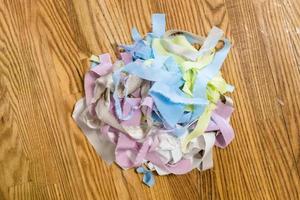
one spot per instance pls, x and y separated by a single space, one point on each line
161 105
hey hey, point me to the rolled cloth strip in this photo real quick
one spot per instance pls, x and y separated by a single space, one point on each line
162 105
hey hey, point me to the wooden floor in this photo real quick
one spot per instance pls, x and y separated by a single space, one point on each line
44 45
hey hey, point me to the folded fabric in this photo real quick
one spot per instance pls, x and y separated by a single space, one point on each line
161 106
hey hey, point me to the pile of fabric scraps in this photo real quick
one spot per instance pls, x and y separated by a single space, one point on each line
160 107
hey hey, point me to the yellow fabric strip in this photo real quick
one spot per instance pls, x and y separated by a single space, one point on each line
95 59
215 87
200 127
190 70
157 46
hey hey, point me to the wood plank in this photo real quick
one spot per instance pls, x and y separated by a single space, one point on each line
44 46
35 191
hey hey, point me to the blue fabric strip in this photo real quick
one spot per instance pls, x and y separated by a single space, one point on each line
175 95
206 74
158 24
148 177
212 40
135 34
170 112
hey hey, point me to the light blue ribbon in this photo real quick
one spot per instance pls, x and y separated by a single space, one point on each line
158 24
206 74
148 177
136 36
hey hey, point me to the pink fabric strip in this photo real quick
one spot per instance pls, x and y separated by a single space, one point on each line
132 104
130 153
102 69
181 167
126 57
221 117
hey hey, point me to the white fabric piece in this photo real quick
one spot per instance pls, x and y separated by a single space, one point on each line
203 143
103 147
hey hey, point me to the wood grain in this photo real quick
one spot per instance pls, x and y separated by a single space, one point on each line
43 48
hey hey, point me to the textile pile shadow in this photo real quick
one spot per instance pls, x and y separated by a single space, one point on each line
160 107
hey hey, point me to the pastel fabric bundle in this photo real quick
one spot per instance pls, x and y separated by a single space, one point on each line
160 107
